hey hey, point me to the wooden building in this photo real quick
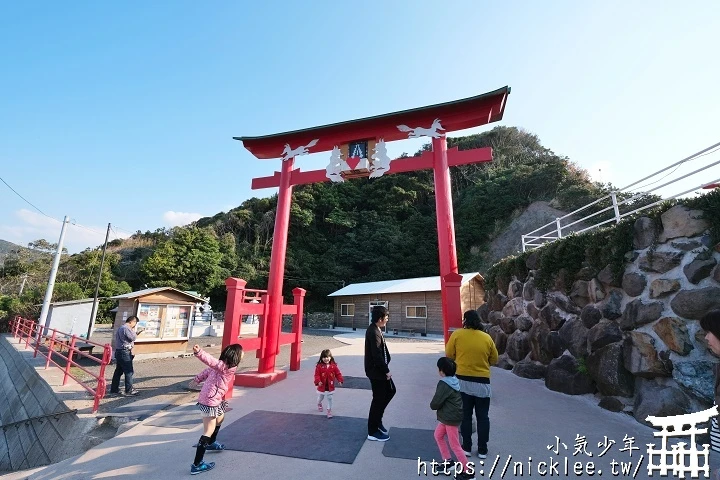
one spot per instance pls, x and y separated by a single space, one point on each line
414 304
164 313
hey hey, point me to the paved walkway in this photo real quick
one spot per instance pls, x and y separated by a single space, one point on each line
525 418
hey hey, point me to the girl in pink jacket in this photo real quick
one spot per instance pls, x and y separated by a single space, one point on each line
217 378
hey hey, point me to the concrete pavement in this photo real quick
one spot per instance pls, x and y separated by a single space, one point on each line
525 419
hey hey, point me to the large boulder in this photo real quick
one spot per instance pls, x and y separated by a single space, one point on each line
527 368
552 315
553 344
574 336
528 292
638 313
607 276
515 289
540 299
643 233
661 287
596 291
612 404
606 368
700 268
660 262
504 362
532 310
693 304
518 345
674 333
697 378
612 308
494 317
579 293
716 274
499 337
642 359
523 323
538 339
686 245
604 333
563 302
590 316
514 307
653 399
680 221
563 376
498 301
507 324
634 283
484 311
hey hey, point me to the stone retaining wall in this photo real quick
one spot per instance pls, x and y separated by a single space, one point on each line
26 442
635 340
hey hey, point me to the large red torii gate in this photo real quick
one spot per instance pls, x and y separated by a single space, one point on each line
351 144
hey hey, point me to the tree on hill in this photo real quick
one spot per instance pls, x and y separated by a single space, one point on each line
189 260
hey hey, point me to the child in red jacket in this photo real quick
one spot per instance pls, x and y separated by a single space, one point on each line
326 373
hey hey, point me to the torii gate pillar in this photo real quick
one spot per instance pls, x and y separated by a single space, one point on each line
452 316
277 269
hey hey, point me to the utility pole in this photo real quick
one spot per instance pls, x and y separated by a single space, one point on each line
53 273
22 285
97 286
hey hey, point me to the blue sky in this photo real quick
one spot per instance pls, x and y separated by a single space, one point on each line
125 113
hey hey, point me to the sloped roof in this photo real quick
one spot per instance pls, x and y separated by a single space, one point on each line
148 291
423 284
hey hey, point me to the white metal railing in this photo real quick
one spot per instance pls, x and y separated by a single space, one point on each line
554 230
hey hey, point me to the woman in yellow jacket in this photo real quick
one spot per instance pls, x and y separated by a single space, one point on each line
474 351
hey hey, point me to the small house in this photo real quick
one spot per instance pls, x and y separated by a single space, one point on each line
414 304
164 313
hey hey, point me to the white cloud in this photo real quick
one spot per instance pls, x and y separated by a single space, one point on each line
177 219
34 226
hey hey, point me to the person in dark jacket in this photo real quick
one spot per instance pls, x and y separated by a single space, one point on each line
448 403
710 322
377 359
125 337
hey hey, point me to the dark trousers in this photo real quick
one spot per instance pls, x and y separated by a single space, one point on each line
124 365
480 406
383 391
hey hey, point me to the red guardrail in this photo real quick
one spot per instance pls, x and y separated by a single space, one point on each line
30 331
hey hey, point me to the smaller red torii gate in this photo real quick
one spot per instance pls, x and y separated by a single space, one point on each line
351 144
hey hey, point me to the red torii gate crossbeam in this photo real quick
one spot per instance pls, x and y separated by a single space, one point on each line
441 118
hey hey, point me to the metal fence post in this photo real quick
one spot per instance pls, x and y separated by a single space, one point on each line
523 243
559 228
613 195
71 351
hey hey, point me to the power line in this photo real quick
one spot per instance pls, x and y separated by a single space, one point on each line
639 189
26 200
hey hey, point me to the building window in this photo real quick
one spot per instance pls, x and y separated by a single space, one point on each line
416 312
163 322
347 310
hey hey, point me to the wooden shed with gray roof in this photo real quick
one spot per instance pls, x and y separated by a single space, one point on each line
164 313
414 304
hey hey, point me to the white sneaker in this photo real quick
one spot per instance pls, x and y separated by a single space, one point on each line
482 455
467 453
